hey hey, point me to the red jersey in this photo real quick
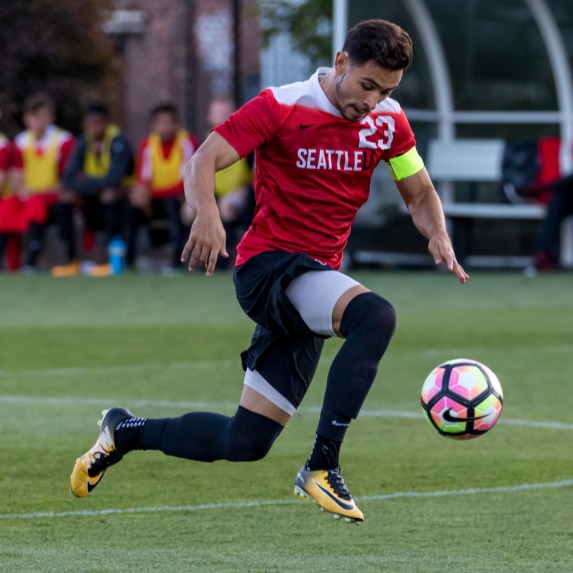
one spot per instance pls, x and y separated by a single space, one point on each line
5 155
313 167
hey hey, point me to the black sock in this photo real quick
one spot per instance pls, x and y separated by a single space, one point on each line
127 435
2 247
67 232
204 436
368 324
36 235
325 454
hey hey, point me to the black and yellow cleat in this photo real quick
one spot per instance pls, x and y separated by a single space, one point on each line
328 490
91 467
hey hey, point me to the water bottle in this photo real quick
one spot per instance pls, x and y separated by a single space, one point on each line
116 253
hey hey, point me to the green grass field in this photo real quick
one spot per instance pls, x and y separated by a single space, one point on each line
501 503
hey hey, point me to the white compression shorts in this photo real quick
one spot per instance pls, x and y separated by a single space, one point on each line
314 295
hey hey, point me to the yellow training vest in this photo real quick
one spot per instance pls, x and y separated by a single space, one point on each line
232 177
97 164
41 171
166 172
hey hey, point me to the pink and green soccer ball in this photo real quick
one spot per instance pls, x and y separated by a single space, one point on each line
462 399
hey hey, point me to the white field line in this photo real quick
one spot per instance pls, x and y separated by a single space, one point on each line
230 406
272 502
150 367
204 364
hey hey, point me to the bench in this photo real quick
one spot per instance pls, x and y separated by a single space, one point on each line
474 161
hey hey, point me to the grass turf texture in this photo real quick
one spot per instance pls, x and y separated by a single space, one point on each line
70 347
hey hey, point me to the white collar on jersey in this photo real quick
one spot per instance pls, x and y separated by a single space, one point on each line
46 138
325 103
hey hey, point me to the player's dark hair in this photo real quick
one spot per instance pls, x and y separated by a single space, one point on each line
97 108
38 101
379 41
164 107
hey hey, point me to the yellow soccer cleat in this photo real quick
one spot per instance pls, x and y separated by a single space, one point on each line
91 467
101 271
69 270
327 488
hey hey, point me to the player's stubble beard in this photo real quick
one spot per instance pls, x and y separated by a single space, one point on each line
348 111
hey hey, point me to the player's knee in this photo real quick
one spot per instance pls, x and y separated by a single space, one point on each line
383 314
251 436
250 448
371 313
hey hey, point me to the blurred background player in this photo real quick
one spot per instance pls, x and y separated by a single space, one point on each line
5 163
559 206
233 186
40 156
158 190
95 181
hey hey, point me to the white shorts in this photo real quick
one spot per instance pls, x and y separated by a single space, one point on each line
315 293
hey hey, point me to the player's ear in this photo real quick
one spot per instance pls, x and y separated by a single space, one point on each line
341 62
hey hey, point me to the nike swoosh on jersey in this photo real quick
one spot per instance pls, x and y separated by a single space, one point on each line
449 418
304 126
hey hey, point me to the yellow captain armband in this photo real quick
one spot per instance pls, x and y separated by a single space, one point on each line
405 165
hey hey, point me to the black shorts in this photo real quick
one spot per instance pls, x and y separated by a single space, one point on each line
283 350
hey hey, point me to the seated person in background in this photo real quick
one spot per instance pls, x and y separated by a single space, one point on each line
158 191
559 206
233 187
5 163
5 160
39 158
95 181
533 174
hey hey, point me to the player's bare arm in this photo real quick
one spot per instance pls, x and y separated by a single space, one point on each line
207 238
425 207
17 182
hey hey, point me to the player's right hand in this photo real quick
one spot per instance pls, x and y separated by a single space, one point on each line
22 193
206 242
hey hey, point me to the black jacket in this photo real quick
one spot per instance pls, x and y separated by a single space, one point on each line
121 166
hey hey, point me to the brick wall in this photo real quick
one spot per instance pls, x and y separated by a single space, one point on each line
184 54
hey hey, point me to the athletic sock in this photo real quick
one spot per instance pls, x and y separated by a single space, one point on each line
325 454
368 323
127 435
202 436
66 222
36 234
2 247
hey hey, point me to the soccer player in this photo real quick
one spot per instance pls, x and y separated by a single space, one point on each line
95 180
317 143
5 160
40 156
5 163
158 191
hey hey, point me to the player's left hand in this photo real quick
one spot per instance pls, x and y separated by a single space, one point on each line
441 249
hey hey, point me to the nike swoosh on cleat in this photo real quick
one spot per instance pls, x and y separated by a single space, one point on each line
449 418
92 484
341 504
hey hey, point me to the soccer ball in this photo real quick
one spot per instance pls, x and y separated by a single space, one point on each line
462 399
